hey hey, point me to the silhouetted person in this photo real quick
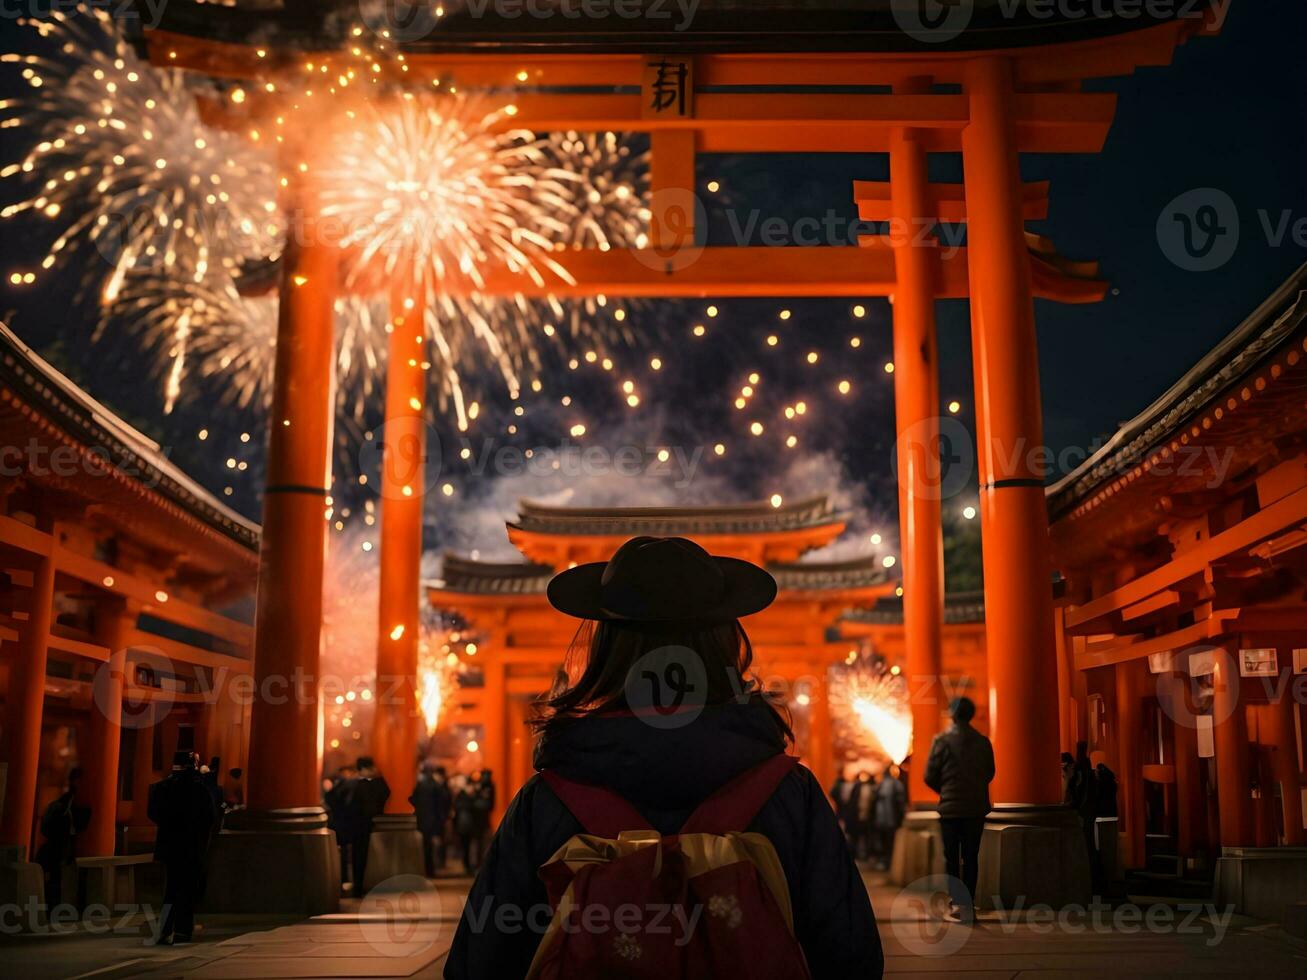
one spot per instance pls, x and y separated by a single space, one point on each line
62 821
1106 790
1068 767
430 801
470 822
182 808
234 790
367 800
891 805
1082 795
960 769
862 810
341 818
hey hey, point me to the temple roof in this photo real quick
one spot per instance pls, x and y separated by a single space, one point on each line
1244 353
752 518
492 578
27 378
959 607
469 577
683 26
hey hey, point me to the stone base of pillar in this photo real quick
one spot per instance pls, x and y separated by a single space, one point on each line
1033 855
917 849
276 861
22 885
394 851
1264 882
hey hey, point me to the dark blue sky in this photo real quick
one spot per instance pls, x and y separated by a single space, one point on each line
1228 115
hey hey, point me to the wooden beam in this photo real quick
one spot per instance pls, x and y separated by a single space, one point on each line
947 202
722 271
24 537
1289 511
1105 655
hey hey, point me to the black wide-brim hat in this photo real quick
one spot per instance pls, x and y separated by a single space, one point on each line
662 580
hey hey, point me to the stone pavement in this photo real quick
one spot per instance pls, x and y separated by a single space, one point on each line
408 935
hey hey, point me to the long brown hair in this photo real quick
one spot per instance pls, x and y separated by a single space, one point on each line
602 654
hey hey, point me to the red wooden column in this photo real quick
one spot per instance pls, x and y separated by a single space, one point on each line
26 701
1023 712
284 730
494 737
821 748
916 416
396 727
1130 678
1284 745
114 619
1230 730
1174 694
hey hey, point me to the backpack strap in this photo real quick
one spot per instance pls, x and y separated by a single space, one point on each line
600 811
734 805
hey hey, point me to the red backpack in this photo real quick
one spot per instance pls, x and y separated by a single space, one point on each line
708 901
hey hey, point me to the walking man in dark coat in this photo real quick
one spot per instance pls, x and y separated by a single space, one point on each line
960 769
182 808
367 800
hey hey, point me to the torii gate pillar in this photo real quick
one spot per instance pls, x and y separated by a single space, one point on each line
1033 845
278 855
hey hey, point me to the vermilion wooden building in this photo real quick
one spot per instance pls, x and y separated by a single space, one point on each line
1182 635
124 614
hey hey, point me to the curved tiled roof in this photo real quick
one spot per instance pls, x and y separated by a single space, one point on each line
752 518
471 577
959 607
31 380
492 578
1234 359
854 574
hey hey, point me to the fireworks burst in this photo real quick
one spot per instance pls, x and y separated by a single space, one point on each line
429 189
124 161
438 667
877 717
208 329
604 181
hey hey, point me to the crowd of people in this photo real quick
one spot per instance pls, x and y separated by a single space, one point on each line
448 808
871 809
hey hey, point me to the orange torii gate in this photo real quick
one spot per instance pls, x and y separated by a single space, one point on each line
989 103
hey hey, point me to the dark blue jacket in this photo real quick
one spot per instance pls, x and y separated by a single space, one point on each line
665 774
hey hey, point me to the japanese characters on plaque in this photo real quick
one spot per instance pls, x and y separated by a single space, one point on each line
667 88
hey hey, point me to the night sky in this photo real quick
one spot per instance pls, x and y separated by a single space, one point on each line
1227 115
